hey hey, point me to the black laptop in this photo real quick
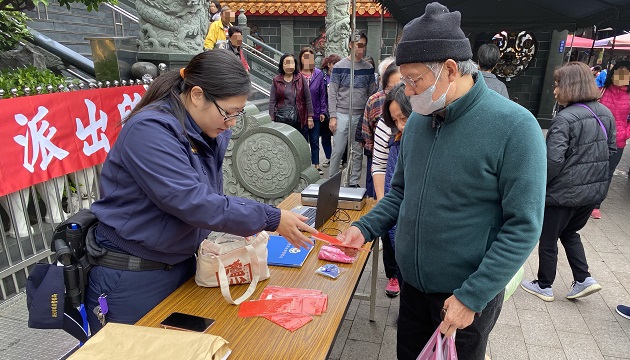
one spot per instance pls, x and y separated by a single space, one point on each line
327 201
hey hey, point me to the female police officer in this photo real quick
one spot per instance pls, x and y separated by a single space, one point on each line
162 188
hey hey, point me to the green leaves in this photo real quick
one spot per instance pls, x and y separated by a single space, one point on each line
28 77
12 29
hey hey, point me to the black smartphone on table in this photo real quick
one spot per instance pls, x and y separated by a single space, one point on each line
187 322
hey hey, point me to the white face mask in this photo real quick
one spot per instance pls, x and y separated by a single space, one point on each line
423 103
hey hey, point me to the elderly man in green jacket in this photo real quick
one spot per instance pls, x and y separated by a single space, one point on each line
467 194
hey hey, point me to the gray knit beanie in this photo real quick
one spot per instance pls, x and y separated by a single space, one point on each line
434 36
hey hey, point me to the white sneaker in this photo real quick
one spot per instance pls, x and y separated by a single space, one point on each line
584 288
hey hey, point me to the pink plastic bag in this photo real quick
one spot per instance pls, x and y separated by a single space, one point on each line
439 348
331 253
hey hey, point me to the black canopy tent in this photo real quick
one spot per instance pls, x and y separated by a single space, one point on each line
521 14
492 16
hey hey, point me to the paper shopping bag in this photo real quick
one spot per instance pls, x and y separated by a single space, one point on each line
124 342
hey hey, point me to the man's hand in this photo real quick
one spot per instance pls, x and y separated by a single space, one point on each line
351 237
457 316
291 227
332 125
322 117
310 123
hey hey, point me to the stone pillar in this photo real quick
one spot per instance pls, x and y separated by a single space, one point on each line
555 59
374 40
242 24
286 36
337 27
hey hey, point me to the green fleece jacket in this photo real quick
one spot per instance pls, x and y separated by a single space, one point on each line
467 196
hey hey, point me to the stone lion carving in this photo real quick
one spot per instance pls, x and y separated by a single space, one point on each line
172 26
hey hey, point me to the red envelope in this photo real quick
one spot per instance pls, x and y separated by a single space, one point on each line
334 241
269 307
303 303
290 322
314 305
271 292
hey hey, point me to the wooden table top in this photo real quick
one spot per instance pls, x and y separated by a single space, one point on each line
259 338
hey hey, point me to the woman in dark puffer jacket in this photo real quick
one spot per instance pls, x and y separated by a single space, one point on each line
580 141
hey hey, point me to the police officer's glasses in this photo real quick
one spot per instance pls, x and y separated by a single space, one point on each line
227 117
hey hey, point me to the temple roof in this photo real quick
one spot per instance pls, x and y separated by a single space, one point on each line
365 8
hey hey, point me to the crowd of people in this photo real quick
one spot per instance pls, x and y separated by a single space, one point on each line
529 190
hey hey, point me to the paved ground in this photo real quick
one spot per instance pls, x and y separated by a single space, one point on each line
528 328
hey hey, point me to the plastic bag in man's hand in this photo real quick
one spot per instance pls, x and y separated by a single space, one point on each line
439 347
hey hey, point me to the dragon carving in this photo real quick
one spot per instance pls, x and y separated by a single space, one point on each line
172 26
337 27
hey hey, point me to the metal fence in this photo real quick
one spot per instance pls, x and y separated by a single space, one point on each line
28 217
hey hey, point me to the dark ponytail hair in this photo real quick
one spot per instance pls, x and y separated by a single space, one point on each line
218 73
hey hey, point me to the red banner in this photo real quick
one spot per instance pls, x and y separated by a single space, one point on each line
46 136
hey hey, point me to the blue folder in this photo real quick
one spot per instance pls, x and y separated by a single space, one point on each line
282 253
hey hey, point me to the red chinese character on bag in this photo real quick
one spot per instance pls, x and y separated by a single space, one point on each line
238 273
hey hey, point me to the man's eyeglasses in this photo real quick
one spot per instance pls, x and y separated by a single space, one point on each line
227 117
412 82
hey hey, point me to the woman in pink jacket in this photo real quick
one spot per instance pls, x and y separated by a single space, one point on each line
616 97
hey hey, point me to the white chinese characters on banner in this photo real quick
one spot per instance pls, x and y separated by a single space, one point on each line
98 142
125 107
47 141
41 143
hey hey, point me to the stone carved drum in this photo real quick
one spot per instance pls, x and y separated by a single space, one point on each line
268 160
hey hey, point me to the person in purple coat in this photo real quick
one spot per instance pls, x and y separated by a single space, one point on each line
324 129
317 85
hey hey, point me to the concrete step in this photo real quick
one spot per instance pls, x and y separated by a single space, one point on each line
104 18
94 18
71 27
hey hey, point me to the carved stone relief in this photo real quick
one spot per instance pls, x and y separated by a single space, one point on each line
263 70
337 27
266 165
172 26
266 161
